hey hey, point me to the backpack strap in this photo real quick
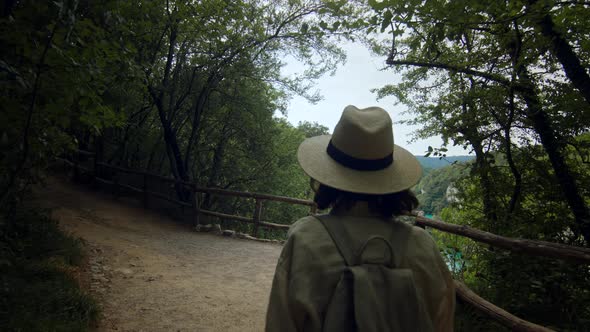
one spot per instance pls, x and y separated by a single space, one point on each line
341 239
346 246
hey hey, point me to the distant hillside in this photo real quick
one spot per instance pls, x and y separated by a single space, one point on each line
436 162
436 185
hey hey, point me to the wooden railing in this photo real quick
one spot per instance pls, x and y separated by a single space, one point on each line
576 255
195 204
530 247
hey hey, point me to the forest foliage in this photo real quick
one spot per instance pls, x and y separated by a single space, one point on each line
188 90
40 276
192 90
429 162
507 80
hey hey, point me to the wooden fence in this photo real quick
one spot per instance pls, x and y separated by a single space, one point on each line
576 255
196 191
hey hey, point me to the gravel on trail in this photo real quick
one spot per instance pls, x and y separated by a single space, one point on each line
150 273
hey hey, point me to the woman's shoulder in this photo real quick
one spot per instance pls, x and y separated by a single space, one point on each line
310 245
309 234
421 245
415 231
304 225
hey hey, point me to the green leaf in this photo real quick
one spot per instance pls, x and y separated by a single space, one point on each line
386 20
377 4
304 28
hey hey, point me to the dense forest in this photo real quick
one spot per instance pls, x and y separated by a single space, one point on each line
436 190
429 163
194 90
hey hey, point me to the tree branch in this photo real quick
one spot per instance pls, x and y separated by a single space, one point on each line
438 65
30 112
562 50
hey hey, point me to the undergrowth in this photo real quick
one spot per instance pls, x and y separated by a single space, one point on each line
39 290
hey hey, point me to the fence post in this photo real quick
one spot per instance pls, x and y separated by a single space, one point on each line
182 199
76 166
257 214
96 171
98 153
144 189
116 185
196 209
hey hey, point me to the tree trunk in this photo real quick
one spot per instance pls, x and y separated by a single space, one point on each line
150 163
552 145
159 97
199 107
554 149
516 191
481 164
174 156
483 168
562 50
216 169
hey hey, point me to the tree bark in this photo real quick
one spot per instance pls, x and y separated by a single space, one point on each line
554 149
452 68
483 167
159 97
516 191
481 164
216 167
552 145
199 107
174 156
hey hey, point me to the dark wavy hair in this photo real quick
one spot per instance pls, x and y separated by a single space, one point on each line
387 205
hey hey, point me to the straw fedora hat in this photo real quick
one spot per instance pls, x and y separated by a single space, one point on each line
360 156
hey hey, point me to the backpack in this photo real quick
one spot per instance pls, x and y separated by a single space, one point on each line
373 296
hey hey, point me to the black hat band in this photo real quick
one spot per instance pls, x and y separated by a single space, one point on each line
357 163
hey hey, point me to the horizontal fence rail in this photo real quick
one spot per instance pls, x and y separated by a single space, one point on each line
496 313
531 247
196 206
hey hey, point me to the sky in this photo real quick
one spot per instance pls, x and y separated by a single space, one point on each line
351 85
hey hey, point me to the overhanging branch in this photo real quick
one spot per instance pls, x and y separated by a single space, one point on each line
439 65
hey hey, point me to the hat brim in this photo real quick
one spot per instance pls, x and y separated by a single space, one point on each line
402 174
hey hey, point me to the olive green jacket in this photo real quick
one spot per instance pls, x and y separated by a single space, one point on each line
310 266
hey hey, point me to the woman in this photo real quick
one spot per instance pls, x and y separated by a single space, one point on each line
364 178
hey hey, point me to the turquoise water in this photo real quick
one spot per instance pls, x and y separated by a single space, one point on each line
429 216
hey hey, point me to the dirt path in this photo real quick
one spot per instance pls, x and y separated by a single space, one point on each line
151 274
